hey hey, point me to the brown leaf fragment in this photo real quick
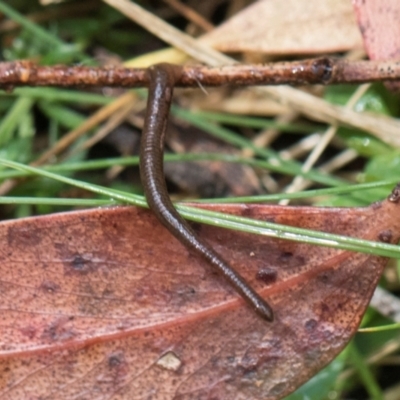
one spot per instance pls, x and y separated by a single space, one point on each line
289 27
106 304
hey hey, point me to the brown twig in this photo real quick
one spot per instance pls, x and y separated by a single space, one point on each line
315 71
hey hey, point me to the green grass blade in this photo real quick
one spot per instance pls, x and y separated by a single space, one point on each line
255 122
233 222
55 94
56 202
365 374
10 122
30 26
382 328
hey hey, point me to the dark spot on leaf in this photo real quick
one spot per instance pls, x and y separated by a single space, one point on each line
58 331
286 255
267 275
324 278
385 236
49 287
79 264
311 324
115 360
186 292
230 359
117 368
291 260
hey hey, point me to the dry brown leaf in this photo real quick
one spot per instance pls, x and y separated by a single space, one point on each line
289 27
106 304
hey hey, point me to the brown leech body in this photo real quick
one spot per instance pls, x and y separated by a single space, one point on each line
162 81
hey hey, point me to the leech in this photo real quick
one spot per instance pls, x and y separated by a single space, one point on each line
162 79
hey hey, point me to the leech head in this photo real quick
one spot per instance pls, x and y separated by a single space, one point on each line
171 73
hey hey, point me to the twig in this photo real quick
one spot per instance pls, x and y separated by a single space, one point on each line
316 71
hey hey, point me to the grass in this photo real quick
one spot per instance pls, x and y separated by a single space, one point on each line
31 116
